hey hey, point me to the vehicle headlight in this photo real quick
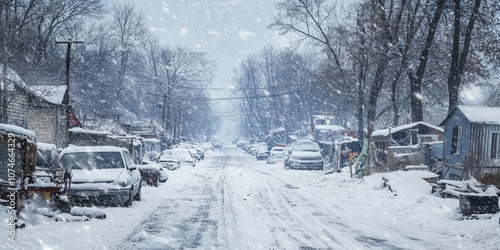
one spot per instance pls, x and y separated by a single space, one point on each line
121 182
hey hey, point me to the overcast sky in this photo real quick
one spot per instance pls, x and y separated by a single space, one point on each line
227 30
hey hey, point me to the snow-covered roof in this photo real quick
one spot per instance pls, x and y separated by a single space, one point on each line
18 131
51 93
13 77
329 127
385 132
481 114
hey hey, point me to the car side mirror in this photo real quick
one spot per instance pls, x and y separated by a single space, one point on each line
132 167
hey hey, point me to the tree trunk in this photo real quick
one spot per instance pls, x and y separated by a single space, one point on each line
458 59
416 80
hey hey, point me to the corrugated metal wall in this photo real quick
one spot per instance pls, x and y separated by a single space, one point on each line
480 146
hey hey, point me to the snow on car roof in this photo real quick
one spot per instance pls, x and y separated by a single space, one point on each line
18 131
152 140
79 149
45 146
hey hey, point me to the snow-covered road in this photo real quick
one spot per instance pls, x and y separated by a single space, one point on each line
232 201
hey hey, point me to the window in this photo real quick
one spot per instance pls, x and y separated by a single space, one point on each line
92 160
456 140
495 145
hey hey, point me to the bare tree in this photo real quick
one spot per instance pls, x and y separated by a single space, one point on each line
417 77
459 55
128 31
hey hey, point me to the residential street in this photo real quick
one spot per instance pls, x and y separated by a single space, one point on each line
232 201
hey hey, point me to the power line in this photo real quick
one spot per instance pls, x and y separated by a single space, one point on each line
187 98
236 89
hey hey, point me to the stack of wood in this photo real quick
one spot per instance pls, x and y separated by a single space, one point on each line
474 197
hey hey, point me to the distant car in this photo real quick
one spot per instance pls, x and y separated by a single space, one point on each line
102 174
198 152
277 154
169 162
217 142
185 156
305 154
199 147
153 173
262 152
253 148
241 142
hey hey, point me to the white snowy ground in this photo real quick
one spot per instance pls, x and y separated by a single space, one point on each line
231 201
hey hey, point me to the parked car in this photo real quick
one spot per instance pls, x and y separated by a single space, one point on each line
168 161
217 142
185 156
48 168
152 173
197 152
102 174
305 154
199 148
262 152
277 154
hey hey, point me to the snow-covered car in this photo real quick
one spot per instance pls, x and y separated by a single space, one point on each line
102 174
169 161
199 152
217 142
152 173
185 156
277 154
262 152
305 154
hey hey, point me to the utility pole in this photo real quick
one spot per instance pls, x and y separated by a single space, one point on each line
65 101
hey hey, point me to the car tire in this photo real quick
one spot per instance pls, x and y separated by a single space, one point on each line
138 196
130 201
157 180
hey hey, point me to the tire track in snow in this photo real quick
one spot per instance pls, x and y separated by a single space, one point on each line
181 221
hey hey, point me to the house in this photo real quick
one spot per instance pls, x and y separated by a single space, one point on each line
38 108
46 113
472 142
407 135
16 98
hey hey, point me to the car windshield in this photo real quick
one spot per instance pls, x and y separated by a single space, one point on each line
306 146
45 158
92 160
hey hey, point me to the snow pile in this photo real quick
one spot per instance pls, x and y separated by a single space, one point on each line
90 212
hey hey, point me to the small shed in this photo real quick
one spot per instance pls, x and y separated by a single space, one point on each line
472 142
407 135
46 113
